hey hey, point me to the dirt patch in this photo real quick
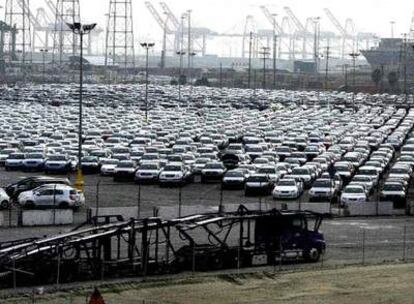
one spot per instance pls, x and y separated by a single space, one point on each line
374 284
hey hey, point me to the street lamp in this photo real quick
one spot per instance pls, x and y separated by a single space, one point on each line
81 30
147 46
354 56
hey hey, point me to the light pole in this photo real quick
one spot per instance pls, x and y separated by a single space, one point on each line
147 46
44 51
354 56
81 30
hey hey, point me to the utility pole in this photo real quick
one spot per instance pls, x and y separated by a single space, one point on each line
181 53
327 67
354 56
316 43
326 75
405 43
249 76
392 22
265 52
221 75
164 41
274 50
189 40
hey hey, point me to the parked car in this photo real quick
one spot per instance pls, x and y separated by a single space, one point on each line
213 171
148 173
175 174
323 190
14 161
354 194
235 179
33 162
58 163
5 201
125 170
51 196
258 184
287 189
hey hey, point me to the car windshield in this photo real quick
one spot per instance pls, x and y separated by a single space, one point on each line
322 184
300 171
393 187
286 183
90 159
16 156
172 168
214 166
257 179
234 174
267 170
399 171
125 165
149 167
57 157
110 162
34 156
353 190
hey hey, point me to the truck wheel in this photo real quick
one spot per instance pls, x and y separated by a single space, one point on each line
313 255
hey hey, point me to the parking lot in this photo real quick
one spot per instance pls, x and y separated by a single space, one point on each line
280 147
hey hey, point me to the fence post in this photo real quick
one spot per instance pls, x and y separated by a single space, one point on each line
179 200
221 200
54 205
363 246
193 257
404 243
97 198
58 267
139 201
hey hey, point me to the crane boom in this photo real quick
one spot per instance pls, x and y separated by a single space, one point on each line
157 16
170 14
295 20
335 22
271 19
32 19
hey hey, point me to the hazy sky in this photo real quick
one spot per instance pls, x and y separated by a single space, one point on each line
228 15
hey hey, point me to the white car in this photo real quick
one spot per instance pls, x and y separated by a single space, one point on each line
270 171
108 166
175 173
4 199
51 195
148 172
354 194
287 189
323 189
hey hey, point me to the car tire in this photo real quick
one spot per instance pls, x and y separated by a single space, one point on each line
29 205
312 256
5 205
63 205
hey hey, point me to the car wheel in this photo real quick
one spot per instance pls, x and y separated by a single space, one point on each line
313 255
5 204
29 205
63 205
